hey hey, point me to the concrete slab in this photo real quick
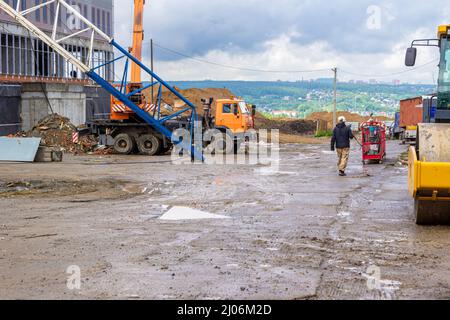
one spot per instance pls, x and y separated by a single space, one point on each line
18 149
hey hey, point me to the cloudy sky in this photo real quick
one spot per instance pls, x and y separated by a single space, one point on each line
365 39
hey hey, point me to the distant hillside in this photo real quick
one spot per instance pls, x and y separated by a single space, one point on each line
306 97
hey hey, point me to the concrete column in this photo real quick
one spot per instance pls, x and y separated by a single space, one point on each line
68 100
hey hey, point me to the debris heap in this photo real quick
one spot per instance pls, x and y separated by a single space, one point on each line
56 131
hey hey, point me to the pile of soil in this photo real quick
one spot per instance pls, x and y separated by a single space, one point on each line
194 95
289 126
350 117
285 125
56 131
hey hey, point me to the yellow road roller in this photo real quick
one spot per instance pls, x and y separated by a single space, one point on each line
429 159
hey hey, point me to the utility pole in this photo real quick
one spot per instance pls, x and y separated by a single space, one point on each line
151 65
334 96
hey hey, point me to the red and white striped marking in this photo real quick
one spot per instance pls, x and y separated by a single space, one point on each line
121 108
75 137
149 107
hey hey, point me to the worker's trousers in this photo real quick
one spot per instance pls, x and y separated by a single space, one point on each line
342 154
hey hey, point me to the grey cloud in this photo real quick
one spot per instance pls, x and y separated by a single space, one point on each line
196 27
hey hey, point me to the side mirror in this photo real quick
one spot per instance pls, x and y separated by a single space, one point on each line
253 110
235 110
410 57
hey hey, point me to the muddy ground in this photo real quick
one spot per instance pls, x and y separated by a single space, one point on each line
300 232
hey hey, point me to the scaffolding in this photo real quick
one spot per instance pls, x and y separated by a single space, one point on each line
26 58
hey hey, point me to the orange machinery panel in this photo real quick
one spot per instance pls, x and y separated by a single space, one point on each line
411 112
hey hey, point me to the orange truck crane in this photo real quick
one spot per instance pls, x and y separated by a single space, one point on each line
232 116
138 38
118 110
126 131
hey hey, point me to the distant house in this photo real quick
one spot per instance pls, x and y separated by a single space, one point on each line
284 113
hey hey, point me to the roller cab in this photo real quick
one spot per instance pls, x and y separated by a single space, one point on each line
429 160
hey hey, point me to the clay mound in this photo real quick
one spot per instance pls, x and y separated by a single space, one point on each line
288 126
350 117
194 95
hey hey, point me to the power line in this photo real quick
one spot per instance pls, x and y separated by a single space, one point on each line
290 71
389 74
236 67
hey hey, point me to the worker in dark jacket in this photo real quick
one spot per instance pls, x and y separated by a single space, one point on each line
341 139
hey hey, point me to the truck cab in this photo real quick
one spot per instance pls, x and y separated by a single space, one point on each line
235 115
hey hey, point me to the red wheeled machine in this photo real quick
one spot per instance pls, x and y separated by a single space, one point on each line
373 141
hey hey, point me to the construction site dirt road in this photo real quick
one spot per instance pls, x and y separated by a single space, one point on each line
300 232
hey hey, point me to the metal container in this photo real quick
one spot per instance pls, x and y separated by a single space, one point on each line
411 112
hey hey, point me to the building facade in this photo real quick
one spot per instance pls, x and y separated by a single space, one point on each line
35 81
24 56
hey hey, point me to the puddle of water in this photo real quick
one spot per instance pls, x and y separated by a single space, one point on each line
184 238
343 214
185 213
267 171
390 284
302 156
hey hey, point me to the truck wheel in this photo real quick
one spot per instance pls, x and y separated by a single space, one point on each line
166 149
219 145
149 145
236 146
124 143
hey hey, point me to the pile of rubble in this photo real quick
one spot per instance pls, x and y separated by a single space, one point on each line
57 131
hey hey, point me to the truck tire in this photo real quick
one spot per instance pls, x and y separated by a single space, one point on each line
166 149
124 143
149 144
223 143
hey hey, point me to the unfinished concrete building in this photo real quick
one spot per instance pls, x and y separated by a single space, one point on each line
35 81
